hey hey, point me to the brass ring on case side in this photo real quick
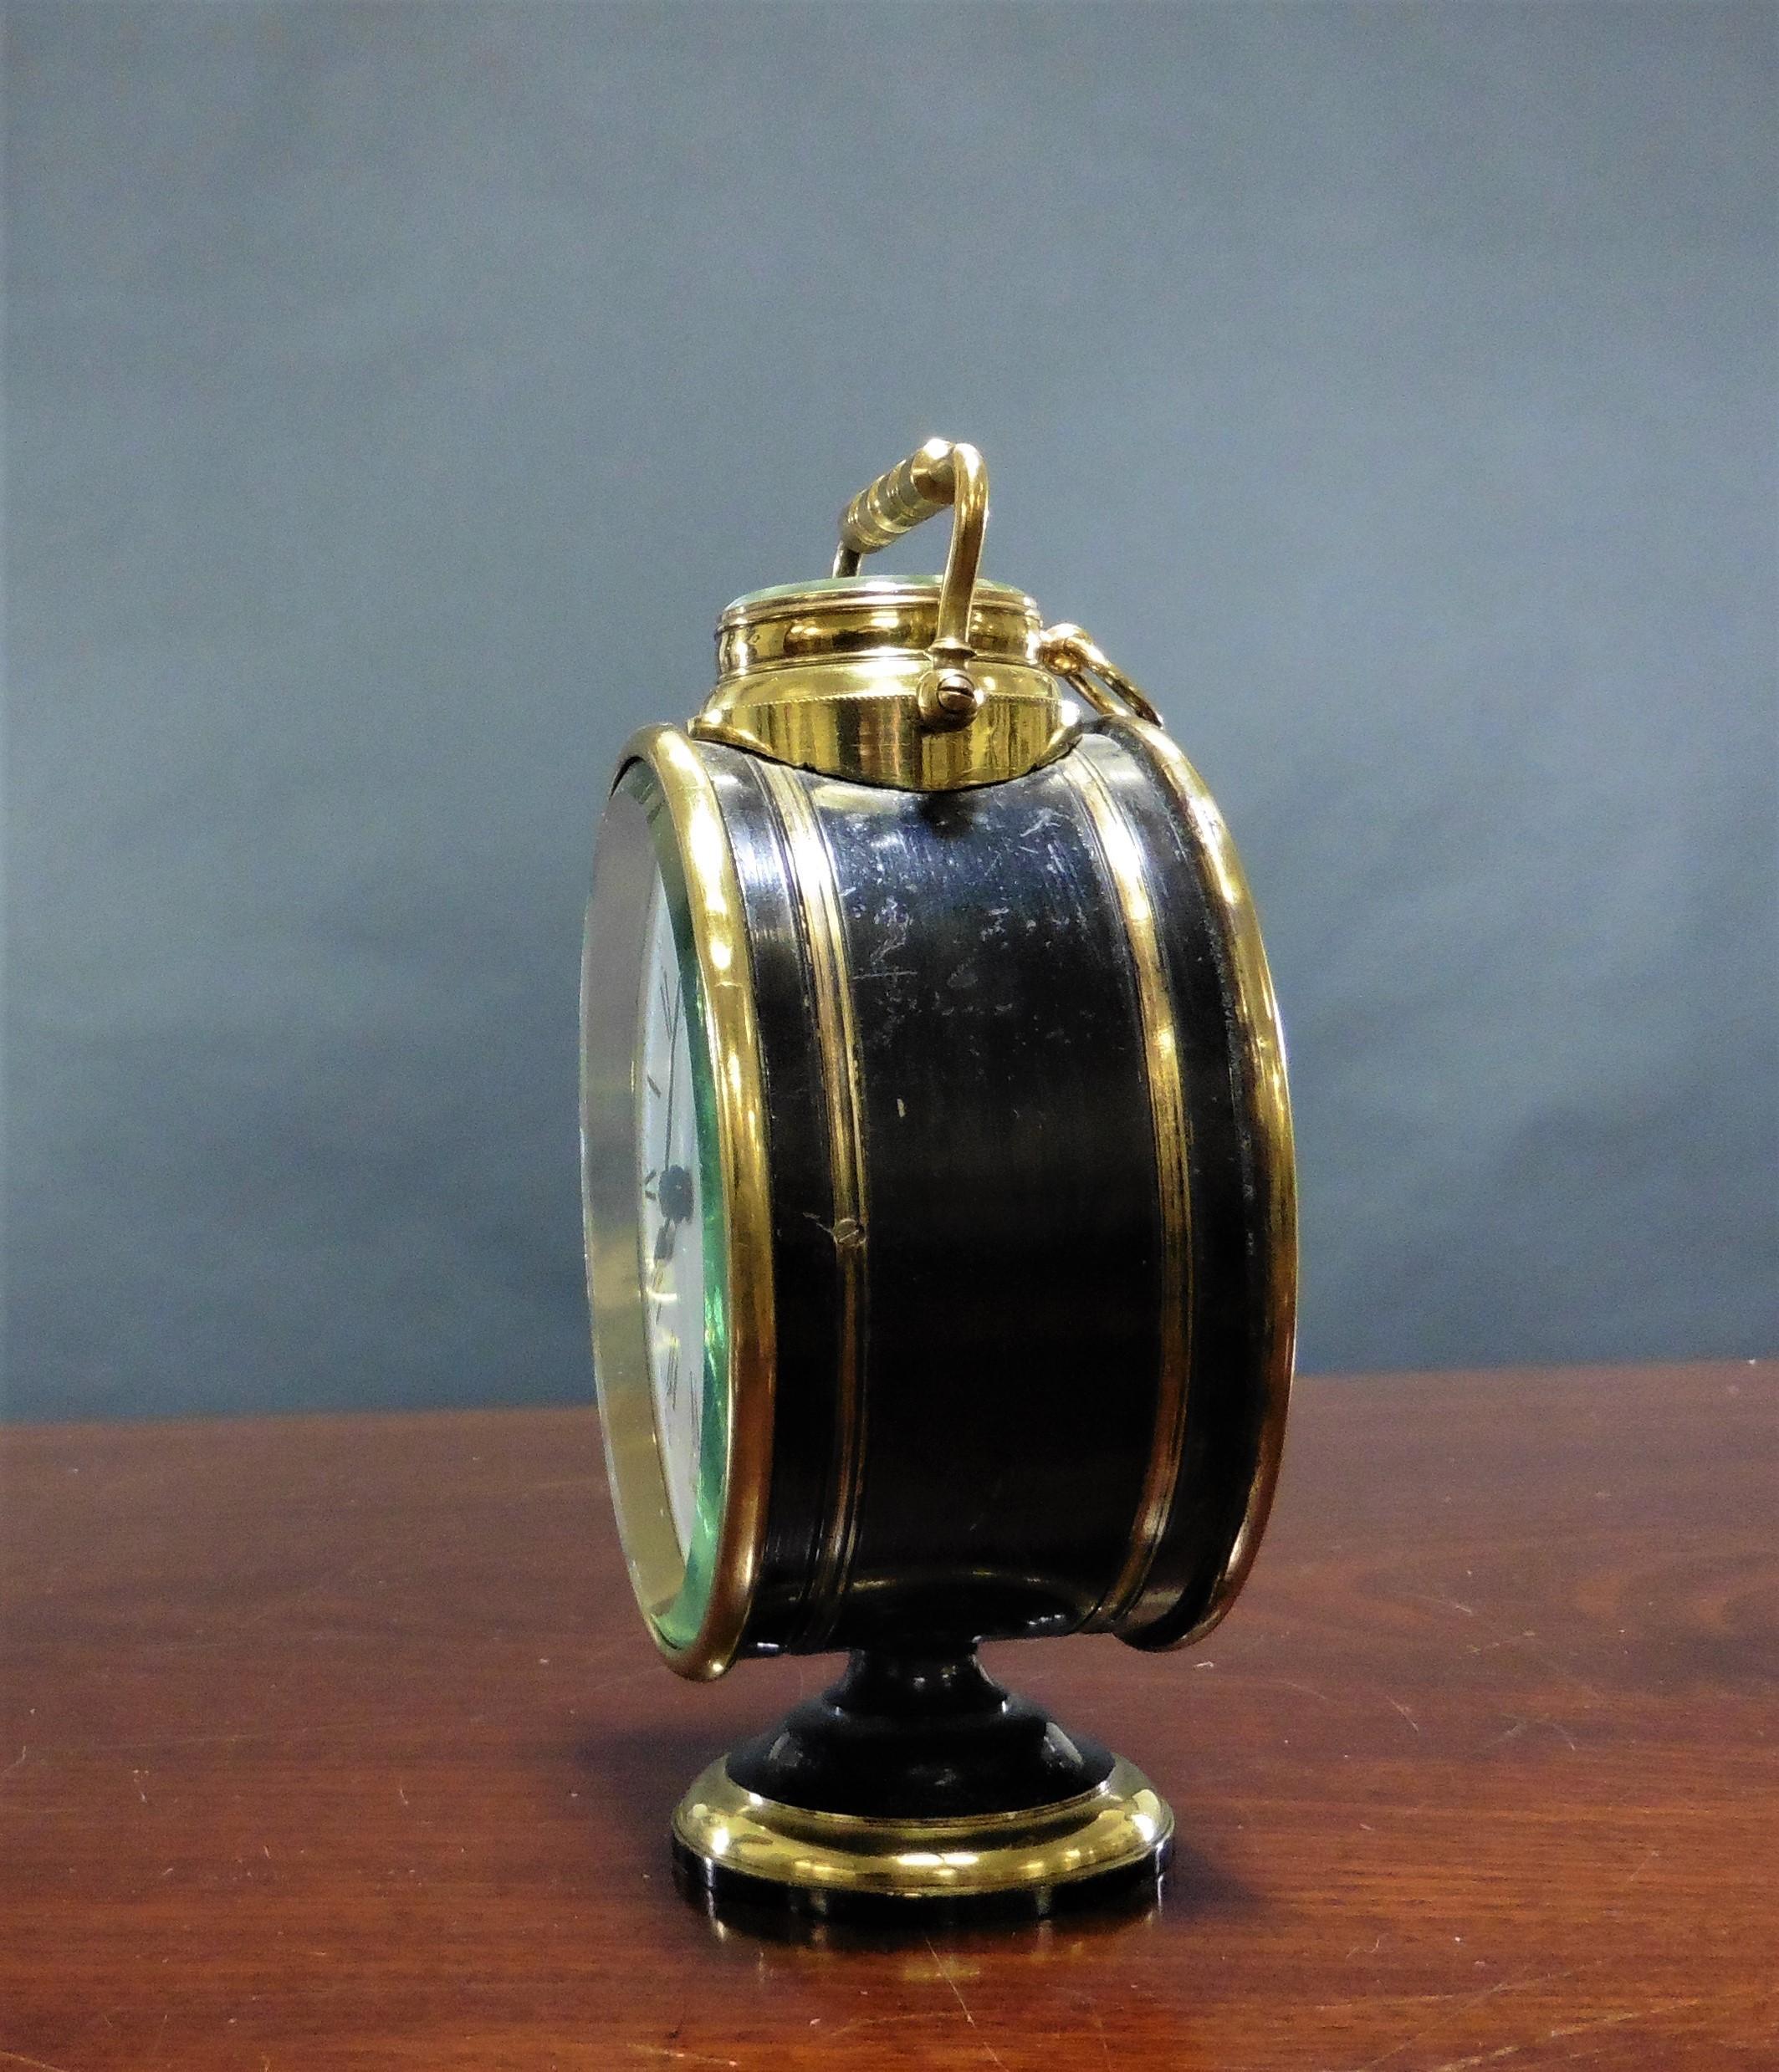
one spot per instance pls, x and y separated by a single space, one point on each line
1122 851
1262 1041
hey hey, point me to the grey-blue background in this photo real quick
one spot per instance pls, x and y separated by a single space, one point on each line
396 392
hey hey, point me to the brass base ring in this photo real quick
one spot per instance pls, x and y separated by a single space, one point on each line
732 1848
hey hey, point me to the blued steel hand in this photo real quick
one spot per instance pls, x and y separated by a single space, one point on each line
673 1192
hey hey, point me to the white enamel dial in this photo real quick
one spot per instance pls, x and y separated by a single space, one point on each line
670 1216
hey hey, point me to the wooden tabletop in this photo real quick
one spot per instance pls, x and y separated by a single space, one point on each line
337 1742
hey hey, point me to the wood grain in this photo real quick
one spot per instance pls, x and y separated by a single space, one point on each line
337 1742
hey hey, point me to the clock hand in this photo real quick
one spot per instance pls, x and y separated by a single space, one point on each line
672 1071
676 1202
666 1123
673 1193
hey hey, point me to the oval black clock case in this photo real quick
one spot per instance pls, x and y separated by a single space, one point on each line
970 1316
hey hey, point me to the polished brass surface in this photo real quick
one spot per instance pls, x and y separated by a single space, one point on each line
1122 847
928 684
1066 649
1261 1041
948 696
657 1566
932 684
940 473
1119 1824
833 618
837 1041
830 675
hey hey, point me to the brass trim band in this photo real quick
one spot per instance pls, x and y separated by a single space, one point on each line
1122 853
858 717
1124 1822
1263 1063
837 1038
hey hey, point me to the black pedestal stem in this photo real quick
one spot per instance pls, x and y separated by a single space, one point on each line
918 1736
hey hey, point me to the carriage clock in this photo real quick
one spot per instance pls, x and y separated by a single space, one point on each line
940 1215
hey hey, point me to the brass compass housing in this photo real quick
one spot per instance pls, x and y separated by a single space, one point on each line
941 1215
832 676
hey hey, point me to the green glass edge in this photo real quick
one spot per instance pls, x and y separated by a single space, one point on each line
679 1621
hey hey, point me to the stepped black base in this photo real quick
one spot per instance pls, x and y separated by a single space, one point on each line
916 1786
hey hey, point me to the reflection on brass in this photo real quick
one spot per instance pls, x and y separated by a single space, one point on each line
817 1945
914 490
1119 1824
838 676
719 938
611 975
925 684
837 1041
1262 1043
947 698
930 684
1068 651
864 617
1121 846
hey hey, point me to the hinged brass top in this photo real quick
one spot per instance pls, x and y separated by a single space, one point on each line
829 675
926 683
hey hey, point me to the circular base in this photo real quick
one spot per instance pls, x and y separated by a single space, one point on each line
731 1846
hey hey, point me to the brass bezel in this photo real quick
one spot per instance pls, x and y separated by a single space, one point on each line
1121 1823
732 1037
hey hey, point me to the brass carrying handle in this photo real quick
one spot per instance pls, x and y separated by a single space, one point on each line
940 474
